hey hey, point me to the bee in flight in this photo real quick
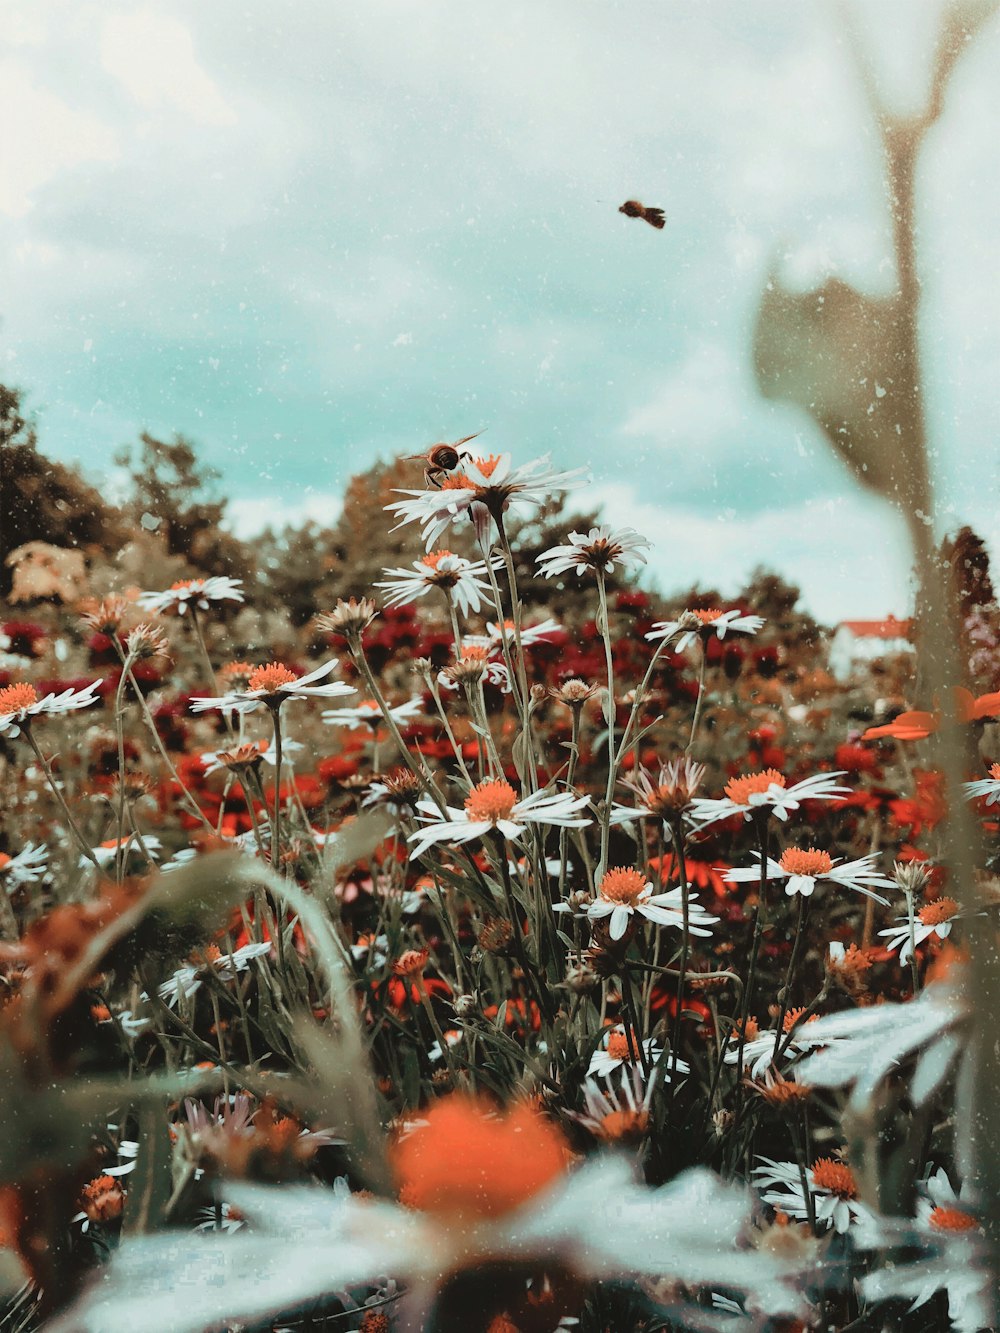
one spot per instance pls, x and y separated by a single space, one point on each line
440 459
654 216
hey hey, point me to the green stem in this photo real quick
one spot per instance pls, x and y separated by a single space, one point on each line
54 787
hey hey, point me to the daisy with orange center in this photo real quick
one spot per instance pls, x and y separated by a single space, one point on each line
597 549
619 1048
693 625
462 581
767 793
483 489
28 867
666 795
941 1208
987 788
831 1184
272 685
803 868
196 594
624 891
20 705
935 919
619 1113
369 714
495 805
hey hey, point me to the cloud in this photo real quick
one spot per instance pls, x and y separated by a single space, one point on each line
152 56
248 517
43 136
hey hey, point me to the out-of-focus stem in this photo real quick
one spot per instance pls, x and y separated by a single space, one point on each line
84 845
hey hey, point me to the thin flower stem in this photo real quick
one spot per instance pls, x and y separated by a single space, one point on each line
758 930
609 717
54 787
698 702
677 834
911 921
635 1036
536 984
276 804
432 686
785 991
120 734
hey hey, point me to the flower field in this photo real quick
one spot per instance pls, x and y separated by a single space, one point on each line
499 948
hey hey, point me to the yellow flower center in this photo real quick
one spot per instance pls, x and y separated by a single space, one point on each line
834 1177
936 913
798 861
739 790
15 697
622 885
491 801
269 678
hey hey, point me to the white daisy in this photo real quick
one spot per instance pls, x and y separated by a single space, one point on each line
802 869
599 549
758 1050
766 791
693 625
214 760
27 867
988 787
495 805
20 704
199 593
831 1183
530 634
463 580
271 685
478 488
368 714
187 981
107 853
624 891
616 1051
935 919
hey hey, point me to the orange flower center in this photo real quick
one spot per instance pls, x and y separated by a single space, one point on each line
739 790
935 913
622 885
491 801
15 697
5 860
182 583
798 861
434 558
411 963
952 1219
617 1125
793 1016
468 1162
995 772
269 678
707 617
618 1047
834 1177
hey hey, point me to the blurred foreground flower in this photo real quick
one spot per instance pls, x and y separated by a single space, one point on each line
482 1189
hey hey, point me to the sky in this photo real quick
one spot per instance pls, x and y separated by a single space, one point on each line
313 235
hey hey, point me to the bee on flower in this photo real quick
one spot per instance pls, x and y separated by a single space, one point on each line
691 625
196 594
272 685
832 1188
934 920
20 705
462 581
766 792
596 550
623 892
802 869
480 489
494 805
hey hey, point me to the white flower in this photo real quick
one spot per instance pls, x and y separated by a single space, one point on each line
624 891
615 1051
694 624
368 714
758 1052
830 1183
19 705
187 981
107 853
200 593
272 685
530 634
27 867
214 760
988 787
221 1217
865 1046
766 791
462 580
802 869
305 1243
597 549
495 805
477 488
452 1038
935 919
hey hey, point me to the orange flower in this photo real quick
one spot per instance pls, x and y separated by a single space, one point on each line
468 1161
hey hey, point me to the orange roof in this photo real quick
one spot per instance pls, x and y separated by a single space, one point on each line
890 628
